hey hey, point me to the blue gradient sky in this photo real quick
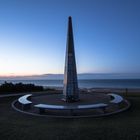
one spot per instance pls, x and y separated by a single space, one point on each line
33 36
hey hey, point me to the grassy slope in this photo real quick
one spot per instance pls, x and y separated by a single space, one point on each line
17 126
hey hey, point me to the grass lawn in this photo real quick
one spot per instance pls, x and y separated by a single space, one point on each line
18 126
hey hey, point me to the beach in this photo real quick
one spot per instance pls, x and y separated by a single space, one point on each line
82 83
125 87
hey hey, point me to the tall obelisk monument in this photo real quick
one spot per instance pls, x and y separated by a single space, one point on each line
70 91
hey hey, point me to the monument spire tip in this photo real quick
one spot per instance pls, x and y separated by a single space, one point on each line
70 17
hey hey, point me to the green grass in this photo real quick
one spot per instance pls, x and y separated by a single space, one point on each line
18 126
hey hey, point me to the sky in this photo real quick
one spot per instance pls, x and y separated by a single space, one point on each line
33 36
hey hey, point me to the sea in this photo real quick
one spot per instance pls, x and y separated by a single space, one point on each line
85 83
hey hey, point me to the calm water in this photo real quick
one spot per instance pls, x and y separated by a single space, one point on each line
107 83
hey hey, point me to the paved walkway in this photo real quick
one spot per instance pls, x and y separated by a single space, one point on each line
11 95
56 99
18 94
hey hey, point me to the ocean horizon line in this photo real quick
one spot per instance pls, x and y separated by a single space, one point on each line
80 76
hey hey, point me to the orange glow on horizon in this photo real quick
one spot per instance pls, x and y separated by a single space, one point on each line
23 74
15 75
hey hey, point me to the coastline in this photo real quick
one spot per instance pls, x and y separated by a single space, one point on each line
82 83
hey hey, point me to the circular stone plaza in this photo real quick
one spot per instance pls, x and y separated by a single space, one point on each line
72 103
